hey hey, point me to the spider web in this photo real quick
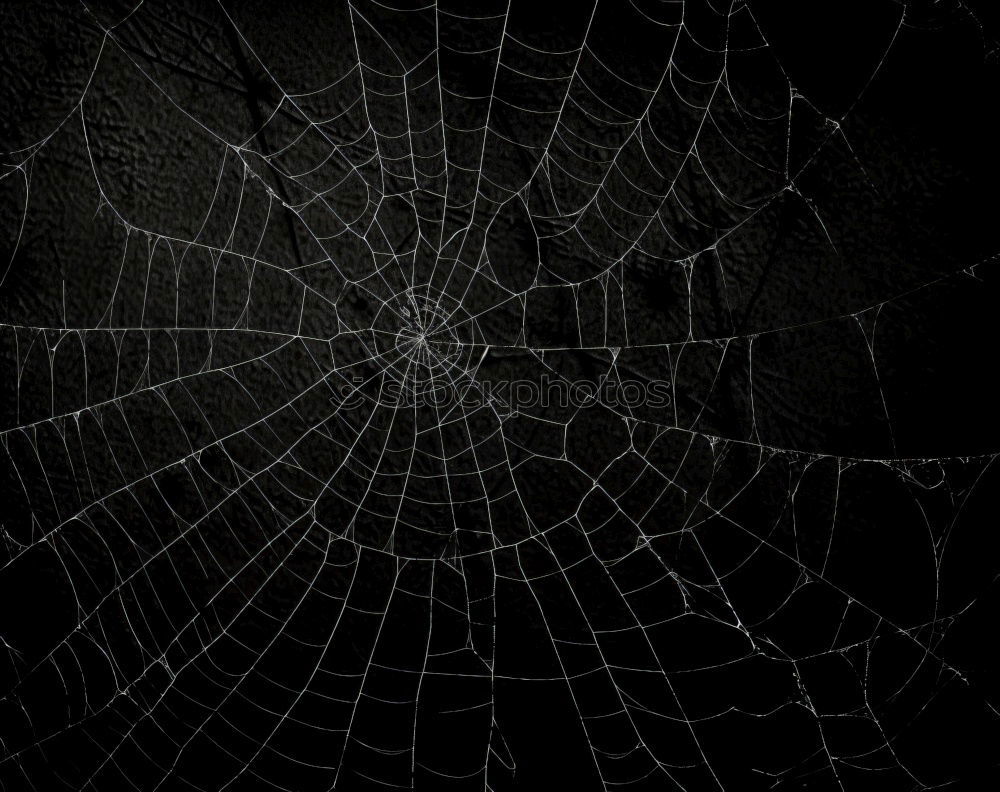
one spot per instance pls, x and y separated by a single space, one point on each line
231 561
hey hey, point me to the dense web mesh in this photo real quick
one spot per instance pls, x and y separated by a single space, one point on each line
240 552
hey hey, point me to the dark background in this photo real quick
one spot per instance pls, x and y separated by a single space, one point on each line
218 217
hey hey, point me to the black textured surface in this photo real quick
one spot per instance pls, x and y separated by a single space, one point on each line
231 561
